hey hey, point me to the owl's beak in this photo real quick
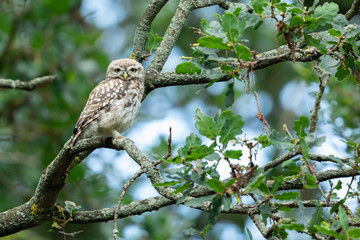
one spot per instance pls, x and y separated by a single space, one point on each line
125 75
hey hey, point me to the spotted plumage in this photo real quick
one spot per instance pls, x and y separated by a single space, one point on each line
114 103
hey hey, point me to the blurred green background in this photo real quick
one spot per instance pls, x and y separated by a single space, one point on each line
76 40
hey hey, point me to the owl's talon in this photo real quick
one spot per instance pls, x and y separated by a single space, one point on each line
114 139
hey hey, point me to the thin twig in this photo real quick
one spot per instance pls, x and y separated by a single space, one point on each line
260 115
169 154
121 198
73 234
28 86
324 77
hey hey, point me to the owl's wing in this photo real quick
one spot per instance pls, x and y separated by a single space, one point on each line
99 99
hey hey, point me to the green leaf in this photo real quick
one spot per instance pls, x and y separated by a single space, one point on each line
316 43
282 7
153 41
213 42
301 207
216 185
258 6
280 142
338 185
215 209
263 140
305 150
198 202
229 95
264 188
255 182
226 125
285 209
166 184
296 21
186 189
336 206
278 181
327 230
231 26
340 22
193 149
243 52
293 226
187 68
231 126
226 203
265 212
316 219
326 13
197 178
206 229
234 154
206 125
310 181
191 231
291 166
342 73
335 33
354 233
287 196
300 125
313 141
343 219
249 233
71 207
214 28
312 8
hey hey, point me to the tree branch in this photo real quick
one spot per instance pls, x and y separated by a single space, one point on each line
134 208
53 179
321 177
157 80
121 198
279 160
355 8
324 77
174 29
28 86
143 27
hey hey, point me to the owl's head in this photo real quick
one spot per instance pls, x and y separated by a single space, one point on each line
125 69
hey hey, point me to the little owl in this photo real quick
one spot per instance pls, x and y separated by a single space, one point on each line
114 103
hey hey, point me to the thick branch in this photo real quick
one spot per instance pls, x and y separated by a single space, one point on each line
279 160
174 29
133 208
157 80
270 58
321 177
171 35
355 8
53 179
30 85
142 30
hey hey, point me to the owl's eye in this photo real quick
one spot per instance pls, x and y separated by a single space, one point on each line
117 70
133 70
